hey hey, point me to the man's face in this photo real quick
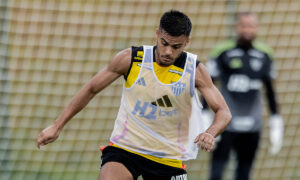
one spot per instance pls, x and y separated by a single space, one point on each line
169 47
246 27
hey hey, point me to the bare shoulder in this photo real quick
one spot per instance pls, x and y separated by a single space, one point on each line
202 78
121 62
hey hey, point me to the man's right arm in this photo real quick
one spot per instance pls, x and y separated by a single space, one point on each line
118 66
218 105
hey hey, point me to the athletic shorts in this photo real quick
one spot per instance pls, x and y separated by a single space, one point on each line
140 166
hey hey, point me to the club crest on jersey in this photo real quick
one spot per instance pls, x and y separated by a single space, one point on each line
141 82
178 88
255 53
255 64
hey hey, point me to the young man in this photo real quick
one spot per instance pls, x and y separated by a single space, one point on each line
159 120
243 66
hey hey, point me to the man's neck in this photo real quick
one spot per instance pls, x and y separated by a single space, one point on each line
244 44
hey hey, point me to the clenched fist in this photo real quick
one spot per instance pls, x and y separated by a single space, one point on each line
205 141
48 135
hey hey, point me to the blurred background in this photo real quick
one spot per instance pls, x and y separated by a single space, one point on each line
50 48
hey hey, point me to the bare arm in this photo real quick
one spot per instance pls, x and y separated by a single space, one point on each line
217 103
117 67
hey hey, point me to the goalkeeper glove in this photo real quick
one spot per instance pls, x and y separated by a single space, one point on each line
276 133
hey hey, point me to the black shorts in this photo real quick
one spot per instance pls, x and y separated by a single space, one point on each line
138 165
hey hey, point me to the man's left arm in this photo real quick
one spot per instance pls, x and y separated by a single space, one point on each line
276 122
217 103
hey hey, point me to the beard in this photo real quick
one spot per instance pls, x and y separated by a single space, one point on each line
245 43
162 60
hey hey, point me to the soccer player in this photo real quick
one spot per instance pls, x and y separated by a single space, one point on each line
243 65
159 121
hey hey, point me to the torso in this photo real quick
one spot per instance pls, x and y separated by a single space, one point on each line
156 107
242 72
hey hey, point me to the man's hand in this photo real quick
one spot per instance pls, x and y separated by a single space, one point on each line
48 135
205 141
276 133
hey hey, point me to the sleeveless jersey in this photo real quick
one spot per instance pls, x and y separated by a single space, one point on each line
158 119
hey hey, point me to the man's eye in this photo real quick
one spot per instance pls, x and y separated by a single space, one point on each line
176 47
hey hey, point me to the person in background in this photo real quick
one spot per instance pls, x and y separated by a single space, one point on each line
242 66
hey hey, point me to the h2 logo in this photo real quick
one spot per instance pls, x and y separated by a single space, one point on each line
141 109
149 110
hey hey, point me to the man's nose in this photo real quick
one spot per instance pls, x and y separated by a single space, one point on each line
168 50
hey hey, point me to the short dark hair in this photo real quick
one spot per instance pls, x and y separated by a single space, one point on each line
175 23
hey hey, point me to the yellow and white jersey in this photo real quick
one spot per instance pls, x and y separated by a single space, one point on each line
159 116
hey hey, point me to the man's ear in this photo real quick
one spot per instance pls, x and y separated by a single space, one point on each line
156 32
187 41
